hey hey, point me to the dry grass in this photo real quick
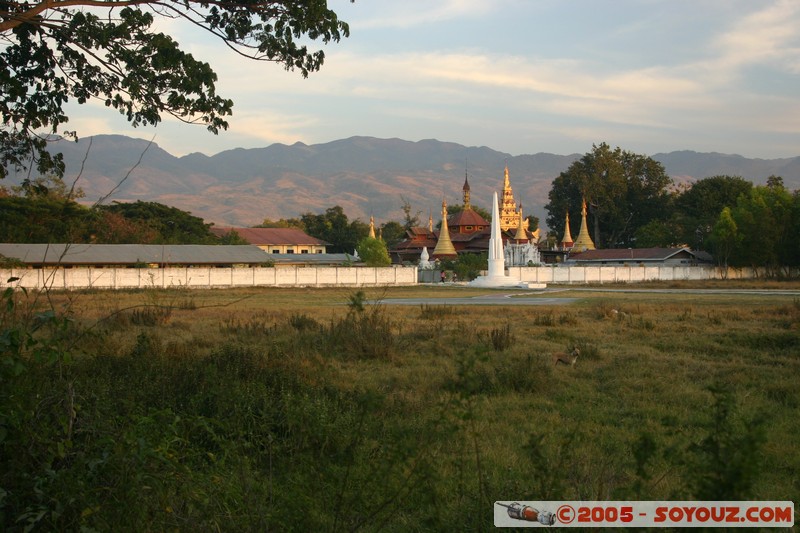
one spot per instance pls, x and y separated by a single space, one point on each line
482 379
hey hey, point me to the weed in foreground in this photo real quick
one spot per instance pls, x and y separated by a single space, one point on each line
303 322
435 312
364 333
502 338
588 350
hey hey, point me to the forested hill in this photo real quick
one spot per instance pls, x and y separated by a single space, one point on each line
364 175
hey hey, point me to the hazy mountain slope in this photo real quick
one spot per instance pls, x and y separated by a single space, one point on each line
699 165
364 175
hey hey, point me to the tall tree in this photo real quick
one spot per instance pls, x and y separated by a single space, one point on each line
793 248
42 219
334 227
51 186
698 208
373 252
281 223
766 224
623 192
409 220
725 236
392 233
170 224
57 51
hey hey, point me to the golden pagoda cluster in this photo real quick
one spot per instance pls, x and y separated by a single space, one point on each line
509 214
466 232
584 241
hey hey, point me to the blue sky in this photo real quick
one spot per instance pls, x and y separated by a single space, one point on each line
518 76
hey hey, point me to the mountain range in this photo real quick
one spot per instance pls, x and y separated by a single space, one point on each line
365 175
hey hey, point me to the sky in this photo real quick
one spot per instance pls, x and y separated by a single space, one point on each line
518 76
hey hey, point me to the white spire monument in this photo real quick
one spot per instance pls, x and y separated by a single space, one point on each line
496 277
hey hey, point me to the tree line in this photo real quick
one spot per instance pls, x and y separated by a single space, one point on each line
633 203
45 210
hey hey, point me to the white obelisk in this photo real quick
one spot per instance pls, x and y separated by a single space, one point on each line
497 261
496 277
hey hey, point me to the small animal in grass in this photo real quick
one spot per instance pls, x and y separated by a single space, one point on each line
567 358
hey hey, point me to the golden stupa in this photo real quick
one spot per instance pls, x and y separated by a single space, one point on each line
584 241
444 246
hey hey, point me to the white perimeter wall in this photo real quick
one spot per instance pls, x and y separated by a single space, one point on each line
625 274
132 278
202 277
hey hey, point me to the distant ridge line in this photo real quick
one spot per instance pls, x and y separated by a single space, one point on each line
365 175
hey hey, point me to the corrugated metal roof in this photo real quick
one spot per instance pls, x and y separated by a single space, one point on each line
270 236
129 254
630 254
312 259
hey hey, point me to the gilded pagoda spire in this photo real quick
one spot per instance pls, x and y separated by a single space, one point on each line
567 241
430 221
371 227
444 246
466 192
509 216
521 235
584 241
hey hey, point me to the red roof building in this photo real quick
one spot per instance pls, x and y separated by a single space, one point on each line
277 240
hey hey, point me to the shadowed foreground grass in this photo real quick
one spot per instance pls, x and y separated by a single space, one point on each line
311 410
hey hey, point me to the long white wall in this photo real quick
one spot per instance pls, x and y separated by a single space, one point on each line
207 277
293 276
625 274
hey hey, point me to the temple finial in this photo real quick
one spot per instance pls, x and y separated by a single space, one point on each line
584 241
466 190
567 241
444 246
521 233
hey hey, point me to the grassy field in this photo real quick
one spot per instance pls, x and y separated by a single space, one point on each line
316 410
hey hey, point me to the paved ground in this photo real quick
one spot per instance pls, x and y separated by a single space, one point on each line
536 297
487 299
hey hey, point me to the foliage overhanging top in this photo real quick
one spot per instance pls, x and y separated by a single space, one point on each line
55 51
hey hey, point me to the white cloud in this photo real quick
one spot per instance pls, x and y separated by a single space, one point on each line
770 35
271 127
409 13
506 86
